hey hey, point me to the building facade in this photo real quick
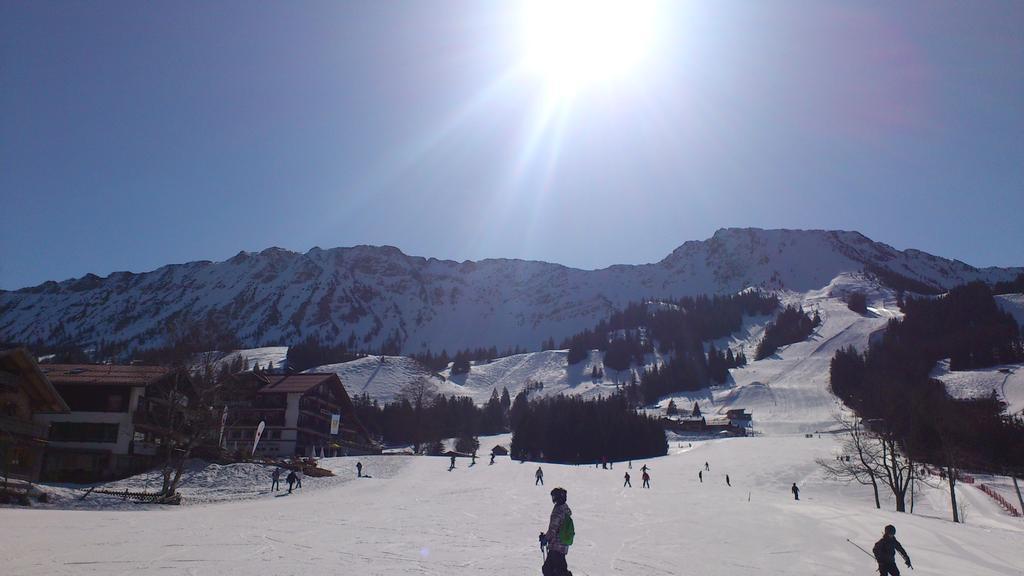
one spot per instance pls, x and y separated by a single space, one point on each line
25 392
98 438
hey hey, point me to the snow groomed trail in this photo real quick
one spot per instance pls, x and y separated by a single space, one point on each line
485 519
415 517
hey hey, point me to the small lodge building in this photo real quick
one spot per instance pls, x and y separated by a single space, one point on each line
24 392
739 418
104 434
303 415
736 422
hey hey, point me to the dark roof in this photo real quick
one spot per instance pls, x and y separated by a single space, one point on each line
43 395
103 374
296 382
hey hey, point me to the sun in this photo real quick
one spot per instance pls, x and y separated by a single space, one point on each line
574 44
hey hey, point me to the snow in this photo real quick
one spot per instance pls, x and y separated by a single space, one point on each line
1007 381
272 357
1014 304
415 517
788 392
421 519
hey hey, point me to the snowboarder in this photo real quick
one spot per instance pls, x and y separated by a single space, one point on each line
291 481
554 562
359 469
647 480
452 467
275 479
706 467
627 483
700 476
540 477
492 459
727 483
885 553
796 491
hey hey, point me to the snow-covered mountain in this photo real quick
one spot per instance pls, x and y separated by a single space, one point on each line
371 295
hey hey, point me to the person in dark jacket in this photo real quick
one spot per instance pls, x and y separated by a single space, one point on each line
796 491
727 482
275 479
627 483
359 469
539 475
647 480
554 562
291 480
885 553
700 476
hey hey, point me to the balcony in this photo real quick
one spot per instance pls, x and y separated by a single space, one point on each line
23 427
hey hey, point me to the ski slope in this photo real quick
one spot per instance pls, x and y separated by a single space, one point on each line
788 392
414 517
1006 381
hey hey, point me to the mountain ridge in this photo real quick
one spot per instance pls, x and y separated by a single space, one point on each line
377 296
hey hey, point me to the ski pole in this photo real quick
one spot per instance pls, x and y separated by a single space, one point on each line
859 548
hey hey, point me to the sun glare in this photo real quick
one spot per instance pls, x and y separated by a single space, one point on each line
576 43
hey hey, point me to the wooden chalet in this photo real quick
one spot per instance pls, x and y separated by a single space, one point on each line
298 412
105 434
24 393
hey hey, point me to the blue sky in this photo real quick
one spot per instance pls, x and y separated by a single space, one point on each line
137 134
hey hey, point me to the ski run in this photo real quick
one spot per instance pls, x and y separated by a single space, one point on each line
413 516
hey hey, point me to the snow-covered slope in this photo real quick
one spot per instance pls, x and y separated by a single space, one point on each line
418 518
1014 304
1006 381
372 295
788 392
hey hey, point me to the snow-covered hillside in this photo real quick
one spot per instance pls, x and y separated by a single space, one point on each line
787 392
1006 381
415 517
1014 304
372 295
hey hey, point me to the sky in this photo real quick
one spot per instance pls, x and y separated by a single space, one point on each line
139 134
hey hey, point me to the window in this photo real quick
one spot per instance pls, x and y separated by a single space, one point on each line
83 432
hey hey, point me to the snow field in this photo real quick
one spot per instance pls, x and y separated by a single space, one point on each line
485 520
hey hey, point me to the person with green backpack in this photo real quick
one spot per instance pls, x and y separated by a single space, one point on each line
560 535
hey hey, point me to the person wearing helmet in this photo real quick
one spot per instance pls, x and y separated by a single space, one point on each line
885 553
554 563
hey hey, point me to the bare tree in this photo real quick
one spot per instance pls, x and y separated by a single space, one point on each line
184 410
859 459
872 457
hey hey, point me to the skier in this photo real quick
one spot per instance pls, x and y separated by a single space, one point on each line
554 562
473 461
627 483
291 480
644 468
700 476
298 478
885 553
452 467
275 479
540 477
706 467
727 483
796 492
492 459
647 480
359 469
630 465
